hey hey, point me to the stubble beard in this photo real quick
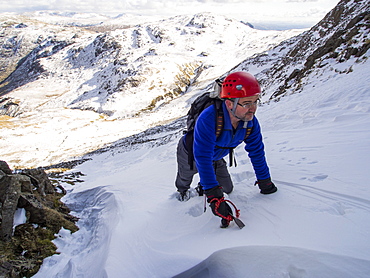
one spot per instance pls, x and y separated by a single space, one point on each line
247 117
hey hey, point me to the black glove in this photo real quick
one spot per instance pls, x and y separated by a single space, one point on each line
266 186
213 195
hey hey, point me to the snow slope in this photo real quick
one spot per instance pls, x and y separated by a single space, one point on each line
316 225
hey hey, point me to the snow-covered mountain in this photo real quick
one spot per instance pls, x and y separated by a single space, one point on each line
315 121
342 35
70 73
144 65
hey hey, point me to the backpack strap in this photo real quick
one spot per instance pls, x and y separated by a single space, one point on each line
219 117
189 140
232 159
248 132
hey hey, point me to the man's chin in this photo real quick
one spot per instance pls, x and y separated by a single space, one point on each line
248 118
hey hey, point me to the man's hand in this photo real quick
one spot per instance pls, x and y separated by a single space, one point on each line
266 186
214 195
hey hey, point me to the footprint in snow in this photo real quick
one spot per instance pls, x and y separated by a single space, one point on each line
239 177
196 210
316 178
282 143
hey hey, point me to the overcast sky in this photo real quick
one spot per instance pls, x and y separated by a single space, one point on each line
293 13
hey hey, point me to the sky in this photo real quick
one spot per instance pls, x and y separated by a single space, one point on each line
278 14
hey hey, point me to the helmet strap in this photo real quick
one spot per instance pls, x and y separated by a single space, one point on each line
235 104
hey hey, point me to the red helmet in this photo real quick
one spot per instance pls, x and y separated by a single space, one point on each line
240 84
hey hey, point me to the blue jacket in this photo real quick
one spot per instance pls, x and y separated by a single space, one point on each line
205 142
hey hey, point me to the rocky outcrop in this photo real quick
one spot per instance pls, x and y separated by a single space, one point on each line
8 107
26 245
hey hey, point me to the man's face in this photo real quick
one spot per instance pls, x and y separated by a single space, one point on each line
246 108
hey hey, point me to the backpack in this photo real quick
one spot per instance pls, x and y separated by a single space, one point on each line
200 103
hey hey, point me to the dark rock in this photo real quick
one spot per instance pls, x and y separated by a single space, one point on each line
23 250
5 167
40 180
10 190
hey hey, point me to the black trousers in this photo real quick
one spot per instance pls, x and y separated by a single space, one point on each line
185 174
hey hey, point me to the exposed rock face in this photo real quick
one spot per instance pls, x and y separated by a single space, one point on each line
25 246
10 190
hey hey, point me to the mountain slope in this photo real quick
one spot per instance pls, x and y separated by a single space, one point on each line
100 72
112 80
342 35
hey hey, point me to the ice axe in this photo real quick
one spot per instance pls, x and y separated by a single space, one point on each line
238 221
